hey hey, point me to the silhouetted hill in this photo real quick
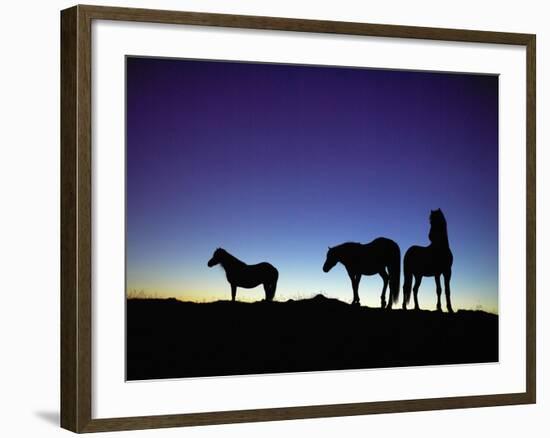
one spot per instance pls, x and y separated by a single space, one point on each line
167 338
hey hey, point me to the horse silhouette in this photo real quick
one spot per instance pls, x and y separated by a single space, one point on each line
239 274
381 256
429 261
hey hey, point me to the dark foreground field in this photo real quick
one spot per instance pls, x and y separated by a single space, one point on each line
170 338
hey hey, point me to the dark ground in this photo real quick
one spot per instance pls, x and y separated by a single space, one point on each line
167 338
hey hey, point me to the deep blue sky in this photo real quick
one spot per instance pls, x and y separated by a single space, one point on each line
276 162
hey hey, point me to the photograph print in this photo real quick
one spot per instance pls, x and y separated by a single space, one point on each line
289 218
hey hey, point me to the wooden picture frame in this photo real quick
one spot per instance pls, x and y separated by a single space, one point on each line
76 218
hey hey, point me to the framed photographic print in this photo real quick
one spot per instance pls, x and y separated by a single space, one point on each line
325 218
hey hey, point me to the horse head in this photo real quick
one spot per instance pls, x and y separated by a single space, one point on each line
331 260
216 257
438 228
437 218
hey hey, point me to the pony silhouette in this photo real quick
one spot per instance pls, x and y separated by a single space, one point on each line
239 274
429 261
381 256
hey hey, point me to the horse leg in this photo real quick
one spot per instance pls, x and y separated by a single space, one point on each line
447 277
355 285
233 292
269 289
407 285
385 279
438 290
417 281
273 289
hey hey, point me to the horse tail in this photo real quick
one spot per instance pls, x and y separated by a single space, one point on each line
394 269
407 285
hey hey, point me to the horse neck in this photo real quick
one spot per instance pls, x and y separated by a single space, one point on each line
229 261
343 251
438 236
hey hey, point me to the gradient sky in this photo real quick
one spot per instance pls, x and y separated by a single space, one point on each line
276 162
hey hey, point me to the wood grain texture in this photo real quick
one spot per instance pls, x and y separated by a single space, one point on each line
300 25
69 328
303 412
76 222
531 213
84 212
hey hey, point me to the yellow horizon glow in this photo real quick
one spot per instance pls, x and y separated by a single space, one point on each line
460 299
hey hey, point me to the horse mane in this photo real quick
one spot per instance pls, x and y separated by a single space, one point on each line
345 245
336 249
226 255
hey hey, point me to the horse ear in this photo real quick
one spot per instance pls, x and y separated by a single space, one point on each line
329 248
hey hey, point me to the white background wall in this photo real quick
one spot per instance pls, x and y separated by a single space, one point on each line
29 231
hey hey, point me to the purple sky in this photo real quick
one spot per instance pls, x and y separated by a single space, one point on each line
276 162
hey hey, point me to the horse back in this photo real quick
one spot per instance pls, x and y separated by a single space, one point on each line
384 244
371 257
427 260
266 267
250 276
383 249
